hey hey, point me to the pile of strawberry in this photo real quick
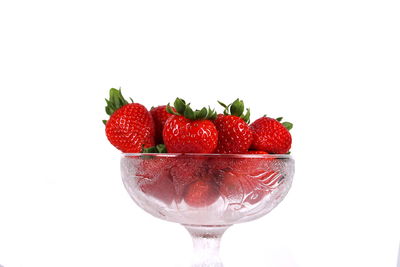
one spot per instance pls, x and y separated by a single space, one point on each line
198 180
131 128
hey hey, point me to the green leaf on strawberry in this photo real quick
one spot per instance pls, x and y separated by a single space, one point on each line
202 114
180 105
287 125
236 109
222 104
183 109
189 113
155 149
116 101
170 110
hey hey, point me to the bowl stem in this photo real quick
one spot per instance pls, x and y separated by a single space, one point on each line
206 240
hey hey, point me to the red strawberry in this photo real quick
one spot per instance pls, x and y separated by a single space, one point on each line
160 116
153 178
271 136
201 193
186 171
235 186
192 132
234 134
130 127
241 179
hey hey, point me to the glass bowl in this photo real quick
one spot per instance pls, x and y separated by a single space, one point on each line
207 193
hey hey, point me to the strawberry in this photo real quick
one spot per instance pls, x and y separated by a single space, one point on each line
234 134
186 171
189 131
160 116
235 187
271 135
153 178
241 179
201 193
130 127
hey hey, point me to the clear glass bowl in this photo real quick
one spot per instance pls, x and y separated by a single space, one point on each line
207 193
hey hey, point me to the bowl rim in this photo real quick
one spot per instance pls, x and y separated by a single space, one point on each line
172 155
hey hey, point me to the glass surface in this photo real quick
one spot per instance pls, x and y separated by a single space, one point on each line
207 193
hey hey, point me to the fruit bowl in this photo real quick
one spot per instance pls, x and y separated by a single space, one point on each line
207 193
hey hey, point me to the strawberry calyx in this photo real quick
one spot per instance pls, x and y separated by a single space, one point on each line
155 149
115 102
183 109
286 124
236 109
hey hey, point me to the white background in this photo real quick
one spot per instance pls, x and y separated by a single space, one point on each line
330 67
